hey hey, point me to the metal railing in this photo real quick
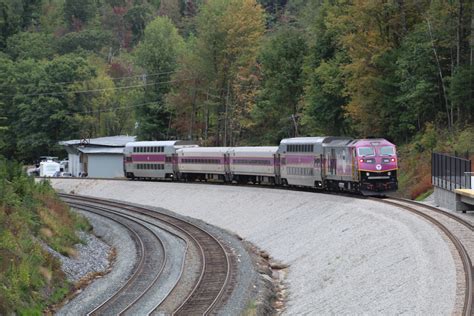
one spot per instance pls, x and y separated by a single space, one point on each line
450 172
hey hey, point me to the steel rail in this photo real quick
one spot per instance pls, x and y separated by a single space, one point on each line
182 264
206 284
468 307
437 210
191 237
141 265
165 257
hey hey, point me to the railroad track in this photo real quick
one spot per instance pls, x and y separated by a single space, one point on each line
148 268
214 279
458 230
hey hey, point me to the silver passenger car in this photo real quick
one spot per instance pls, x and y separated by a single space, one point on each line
152 159
203 163
255 164
301 161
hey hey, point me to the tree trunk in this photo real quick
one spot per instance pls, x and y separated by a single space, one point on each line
206 129
226 113
459 34
471 61
193 113
403 19
440 72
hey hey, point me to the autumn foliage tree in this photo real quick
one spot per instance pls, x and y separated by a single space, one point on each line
223 56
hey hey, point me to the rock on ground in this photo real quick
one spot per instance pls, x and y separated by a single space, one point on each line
345 255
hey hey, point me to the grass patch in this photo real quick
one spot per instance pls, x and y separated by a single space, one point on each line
251 309
423 196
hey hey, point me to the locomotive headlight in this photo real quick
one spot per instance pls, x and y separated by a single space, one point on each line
368 174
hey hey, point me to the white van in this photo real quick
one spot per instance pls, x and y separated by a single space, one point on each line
49 168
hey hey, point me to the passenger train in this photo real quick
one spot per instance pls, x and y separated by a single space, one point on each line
368 166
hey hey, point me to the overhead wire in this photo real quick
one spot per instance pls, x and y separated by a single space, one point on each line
89 80
95 90
111 109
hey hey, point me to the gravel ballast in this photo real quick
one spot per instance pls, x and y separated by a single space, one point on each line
345 255
118 237
92 256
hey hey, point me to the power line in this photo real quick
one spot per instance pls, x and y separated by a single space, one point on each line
89 80
112 109
95 90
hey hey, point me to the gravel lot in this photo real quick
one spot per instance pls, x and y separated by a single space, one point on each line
346 255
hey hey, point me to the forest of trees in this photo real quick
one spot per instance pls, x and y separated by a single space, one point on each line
232 72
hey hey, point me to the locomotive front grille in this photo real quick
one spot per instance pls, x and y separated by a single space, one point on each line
377 175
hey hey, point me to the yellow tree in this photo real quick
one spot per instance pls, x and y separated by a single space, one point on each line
229 33
244 24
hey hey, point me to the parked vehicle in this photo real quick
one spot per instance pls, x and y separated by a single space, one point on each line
48 168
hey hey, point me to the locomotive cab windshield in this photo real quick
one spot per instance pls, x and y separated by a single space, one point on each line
366 151
387 151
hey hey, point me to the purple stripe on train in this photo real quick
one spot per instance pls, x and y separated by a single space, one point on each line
150 158
252 161
200 160
294 159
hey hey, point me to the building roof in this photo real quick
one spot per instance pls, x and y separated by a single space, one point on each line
101 150
109 141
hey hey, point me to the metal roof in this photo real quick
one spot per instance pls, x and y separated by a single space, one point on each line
161 143
337 142
101 150
204 149
302 140
109 141
372 142
263 149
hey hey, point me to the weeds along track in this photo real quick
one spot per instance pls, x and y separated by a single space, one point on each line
210 288
458 230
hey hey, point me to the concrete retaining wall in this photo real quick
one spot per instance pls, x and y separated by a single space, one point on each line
450 200
445 198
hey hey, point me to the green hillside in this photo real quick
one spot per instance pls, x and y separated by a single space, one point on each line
31 214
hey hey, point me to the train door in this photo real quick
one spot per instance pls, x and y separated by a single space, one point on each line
332 162
322 166
354 164
227 167
174 161
276 166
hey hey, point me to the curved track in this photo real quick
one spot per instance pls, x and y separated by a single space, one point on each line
458 230
147 270
215 270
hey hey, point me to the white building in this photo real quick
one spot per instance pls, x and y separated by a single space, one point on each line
97 157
